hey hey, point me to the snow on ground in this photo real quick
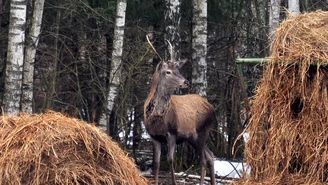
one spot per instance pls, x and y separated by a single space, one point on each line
226 171
230 169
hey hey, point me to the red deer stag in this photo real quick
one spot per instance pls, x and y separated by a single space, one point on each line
173 119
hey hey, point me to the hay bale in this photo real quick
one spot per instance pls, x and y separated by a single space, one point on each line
302 38
53 149
288 141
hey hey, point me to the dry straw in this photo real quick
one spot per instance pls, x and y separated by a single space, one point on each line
288 141
53 149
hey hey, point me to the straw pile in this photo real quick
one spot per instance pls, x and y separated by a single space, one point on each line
288 142
53 149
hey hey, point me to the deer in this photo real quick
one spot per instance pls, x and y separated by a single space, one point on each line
173 119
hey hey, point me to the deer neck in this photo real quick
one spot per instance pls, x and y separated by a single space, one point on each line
159 102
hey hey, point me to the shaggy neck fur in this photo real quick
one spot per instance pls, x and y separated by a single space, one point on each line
158 100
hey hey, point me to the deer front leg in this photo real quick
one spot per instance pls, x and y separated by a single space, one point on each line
171 142
156 158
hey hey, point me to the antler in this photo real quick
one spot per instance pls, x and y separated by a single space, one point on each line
151 45
171 50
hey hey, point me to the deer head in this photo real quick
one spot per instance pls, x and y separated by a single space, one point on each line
169 77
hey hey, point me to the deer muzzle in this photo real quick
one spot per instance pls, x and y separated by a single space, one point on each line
185 84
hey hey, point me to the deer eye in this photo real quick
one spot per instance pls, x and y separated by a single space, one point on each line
168 72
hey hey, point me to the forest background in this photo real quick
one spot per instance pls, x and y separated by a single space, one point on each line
93 62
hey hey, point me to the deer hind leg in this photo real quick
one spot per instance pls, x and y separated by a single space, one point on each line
202 164
206 158
156 158
171 143
210 161
199 146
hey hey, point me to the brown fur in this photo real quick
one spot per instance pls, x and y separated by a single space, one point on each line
173 119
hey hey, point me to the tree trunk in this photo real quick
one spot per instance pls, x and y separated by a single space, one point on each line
294 6
81 67
199 47
115 68
32 43
234 127
172 25
103 76
15 57
54 64
274 17
260 10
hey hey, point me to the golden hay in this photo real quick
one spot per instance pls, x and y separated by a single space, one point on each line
288 141
53 149
302 38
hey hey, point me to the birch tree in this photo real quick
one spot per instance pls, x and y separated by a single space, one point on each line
199 47
294 6
15 57
115 68
172 24
274 16
30 51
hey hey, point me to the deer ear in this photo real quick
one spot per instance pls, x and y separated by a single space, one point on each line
180 63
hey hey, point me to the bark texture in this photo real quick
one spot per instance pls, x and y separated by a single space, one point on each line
199 47
115 68
172 25
29 60
15 57
274 17
294 6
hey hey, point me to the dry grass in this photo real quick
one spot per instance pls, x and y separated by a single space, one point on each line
53 149
302 38
288 142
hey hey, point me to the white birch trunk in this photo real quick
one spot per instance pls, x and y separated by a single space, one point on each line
294 6
115 68
15 57
199 47
32 43
172 25
274 17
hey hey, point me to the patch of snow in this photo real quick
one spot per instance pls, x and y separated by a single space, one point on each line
144 135
230 169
